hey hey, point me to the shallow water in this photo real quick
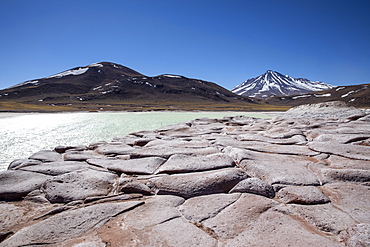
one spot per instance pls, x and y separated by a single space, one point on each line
21 135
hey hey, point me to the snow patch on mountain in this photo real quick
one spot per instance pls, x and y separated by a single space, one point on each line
354 91
301 96
323 95
96 65
273 83
78 71
34 82
172 76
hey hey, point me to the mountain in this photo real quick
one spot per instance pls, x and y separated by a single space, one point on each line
273 83
110 86
354 95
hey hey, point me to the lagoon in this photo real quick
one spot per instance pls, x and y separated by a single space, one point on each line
21 135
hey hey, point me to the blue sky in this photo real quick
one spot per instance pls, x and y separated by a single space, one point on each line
225 42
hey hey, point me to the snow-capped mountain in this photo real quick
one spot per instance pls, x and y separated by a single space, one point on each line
273 83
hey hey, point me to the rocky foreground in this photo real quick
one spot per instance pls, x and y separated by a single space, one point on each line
300 179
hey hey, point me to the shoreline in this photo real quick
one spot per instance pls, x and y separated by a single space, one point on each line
16 114
25 133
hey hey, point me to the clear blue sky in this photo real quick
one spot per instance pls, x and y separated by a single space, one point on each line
225 41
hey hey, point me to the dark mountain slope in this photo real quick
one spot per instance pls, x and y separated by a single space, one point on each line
74 81
120 88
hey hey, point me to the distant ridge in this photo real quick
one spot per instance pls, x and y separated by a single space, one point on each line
272 83
354 95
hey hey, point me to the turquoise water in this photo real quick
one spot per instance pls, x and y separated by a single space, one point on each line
21 135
